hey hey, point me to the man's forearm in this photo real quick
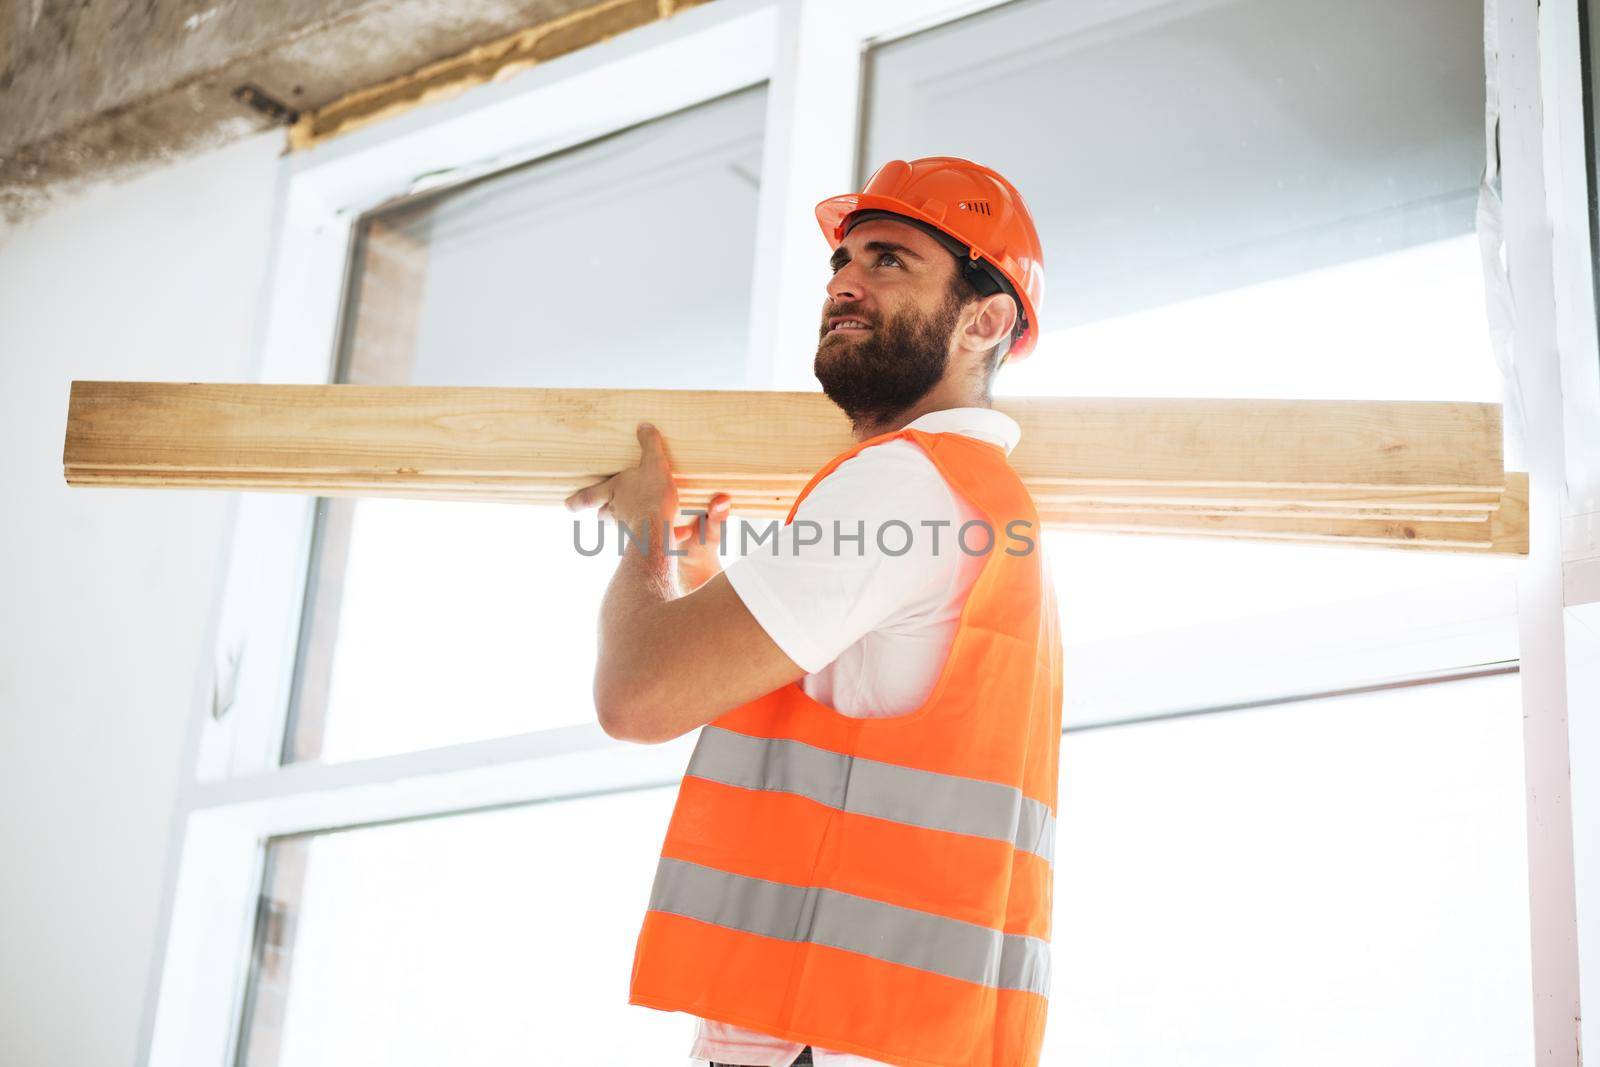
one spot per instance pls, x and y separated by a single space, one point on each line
643 582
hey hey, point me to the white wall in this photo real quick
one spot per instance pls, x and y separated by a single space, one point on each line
107 592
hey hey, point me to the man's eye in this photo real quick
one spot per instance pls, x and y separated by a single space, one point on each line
890 257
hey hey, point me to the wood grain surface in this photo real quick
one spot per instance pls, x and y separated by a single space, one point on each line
1405 474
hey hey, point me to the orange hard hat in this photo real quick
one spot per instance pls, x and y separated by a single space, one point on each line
978 214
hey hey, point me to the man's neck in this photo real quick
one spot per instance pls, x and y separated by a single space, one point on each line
937 400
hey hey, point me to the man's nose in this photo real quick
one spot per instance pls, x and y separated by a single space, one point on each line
845 285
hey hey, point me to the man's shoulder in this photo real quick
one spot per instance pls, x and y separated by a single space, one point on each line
894 466
897 452
891 479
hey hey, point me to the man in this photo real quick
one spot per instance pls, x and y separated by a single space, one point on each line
858 868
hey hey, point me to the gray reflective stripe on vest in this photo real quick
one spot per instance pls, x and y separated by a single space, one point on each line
871 787
873 928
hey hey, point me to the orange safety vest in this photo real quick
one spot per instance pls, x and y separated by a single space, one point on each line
882 886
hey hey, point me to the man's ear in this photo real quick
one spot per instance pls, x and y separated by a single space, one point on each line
994 317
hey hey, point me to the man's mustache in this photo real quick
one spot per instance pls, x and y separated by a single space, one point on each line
843 311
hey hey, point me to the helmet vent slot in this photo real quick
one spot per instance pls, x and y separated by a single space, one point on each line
979 207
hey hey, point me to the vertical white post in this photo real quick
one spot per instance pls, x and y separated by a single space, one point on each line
1536 361
1567 164
813 104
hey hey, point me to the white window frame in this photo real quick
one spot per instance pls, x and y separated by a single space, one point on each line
233 794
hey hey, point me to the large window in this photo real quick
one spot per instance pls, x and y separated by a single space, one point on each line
1292 826
1177 151
502 937
1255 198
624 262
1332 881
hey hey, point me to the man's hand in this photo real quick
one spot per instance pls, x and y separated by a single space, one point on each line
700 541
670 662
642 498
645 500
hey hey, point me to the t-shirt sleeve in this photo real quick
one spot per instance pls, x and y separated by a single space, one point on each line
817 588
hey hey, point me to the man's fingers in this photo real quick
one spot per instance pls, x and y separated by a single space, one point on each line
705 526
589 496
717 515
652 448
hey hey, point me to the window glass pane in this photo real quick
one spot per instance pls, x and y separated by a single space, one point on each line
1338 881
624 263
1244 198
493 938
1220 185
459 622
621 263
1335 882
1160 624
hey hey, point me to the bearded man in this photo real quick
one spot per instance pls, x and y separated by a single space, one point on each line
858 870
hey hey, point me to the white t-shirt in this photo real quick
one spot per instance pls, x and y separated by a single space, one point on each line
870 620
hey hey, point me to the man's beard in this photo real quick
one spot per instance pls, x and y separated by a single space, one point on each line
876 377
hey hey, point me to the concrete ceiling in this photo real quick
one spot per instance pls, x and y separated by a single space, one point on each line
108 87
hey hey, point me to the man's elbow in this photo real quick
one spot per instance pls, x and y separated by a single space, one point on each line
616 717
625 717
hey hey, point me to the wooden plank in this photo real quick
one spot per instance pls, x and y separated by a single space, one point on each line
754 491
582 433
1424 474
1504 533
755 499
1453 533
